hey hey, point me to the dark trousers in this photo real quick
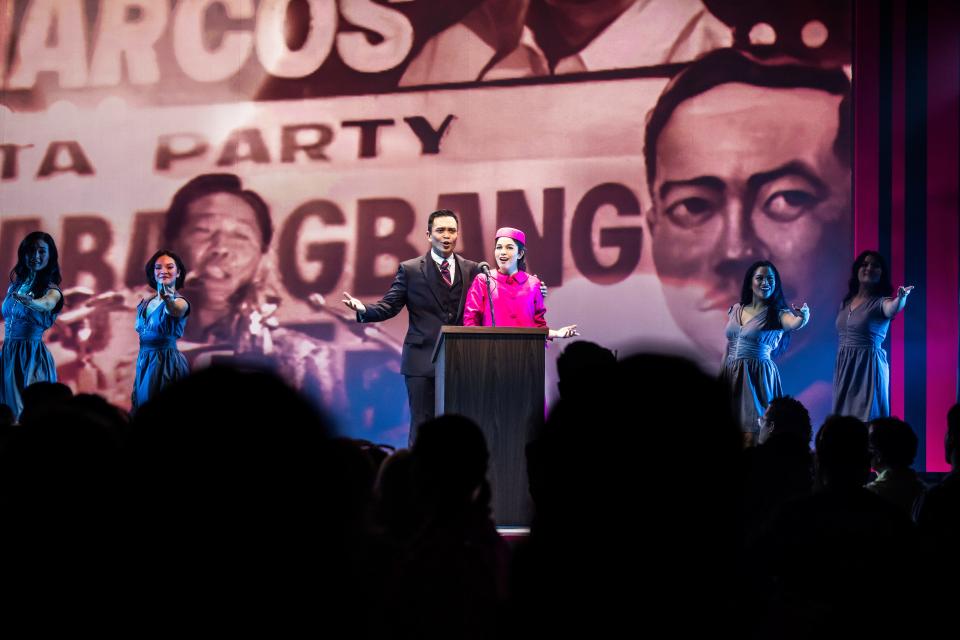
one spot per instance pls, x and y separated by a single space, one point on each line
420 392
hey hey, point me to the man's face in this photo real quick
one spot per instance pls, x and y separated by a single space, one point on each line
443 235
748 173
220 242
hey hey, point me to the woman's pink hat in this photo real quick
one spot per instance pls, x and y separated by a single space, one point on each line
515 234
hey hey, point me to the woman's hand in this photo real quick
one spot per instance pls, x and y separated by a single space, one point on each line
26 301
797 318
893 306
177 307
167 292
564 332
47 302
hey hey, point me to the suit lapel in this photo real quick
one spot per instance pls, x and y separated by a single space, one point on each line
432 276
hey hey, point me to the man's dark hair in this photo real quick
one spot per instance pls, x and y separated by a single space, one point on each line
205 185
724 66
441 213
893 442
789 416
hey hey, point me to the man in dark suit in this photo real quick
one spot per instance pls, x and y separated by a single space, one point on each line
433 288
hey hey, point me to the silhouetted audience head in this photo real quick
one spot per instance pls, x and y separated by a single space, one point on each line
112 418
582 367
238 488
843 454
236 439
41 397
778 470
451 563
396 512
817 551
656 413
938 519
59 492
61 504
450 459
227 443
640 480
376 452
893 444
786 415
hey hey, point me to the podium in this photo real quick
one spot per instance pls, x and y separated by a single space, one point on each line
494 375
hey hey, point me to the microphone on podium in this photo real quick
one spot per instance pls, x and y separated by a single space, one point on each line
485 268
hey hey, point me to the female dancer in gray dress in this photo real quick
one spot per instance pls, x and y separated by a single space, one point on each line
861 376
756 328
30 307
160 321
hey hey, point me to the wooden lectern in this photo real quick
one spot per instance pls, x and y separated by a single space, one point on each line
494 375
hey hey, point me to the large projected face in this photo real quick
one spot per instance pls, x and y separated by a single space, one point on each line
747 173
221 242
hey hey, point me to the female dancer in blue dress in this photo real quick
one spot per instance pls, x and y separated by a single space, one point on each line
861 376
160 321
755 332
32 303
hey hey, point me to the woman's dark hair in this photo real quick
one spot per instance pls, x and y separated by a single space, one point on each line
522 260
181 269
49 275
204 185
775 303
882 288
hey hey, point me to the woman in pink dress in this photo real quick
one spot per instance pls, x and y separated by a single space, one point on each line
517 296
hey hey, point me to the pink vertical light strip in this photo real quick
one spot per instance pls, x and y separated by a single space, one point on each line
897 191
943 228
866 123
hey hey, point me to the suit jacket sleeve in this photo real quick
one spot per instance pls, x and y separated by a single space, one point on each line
390 304
539 306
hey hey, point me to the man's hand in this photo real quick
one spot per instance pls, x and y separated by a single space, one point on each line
353 303
543 286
